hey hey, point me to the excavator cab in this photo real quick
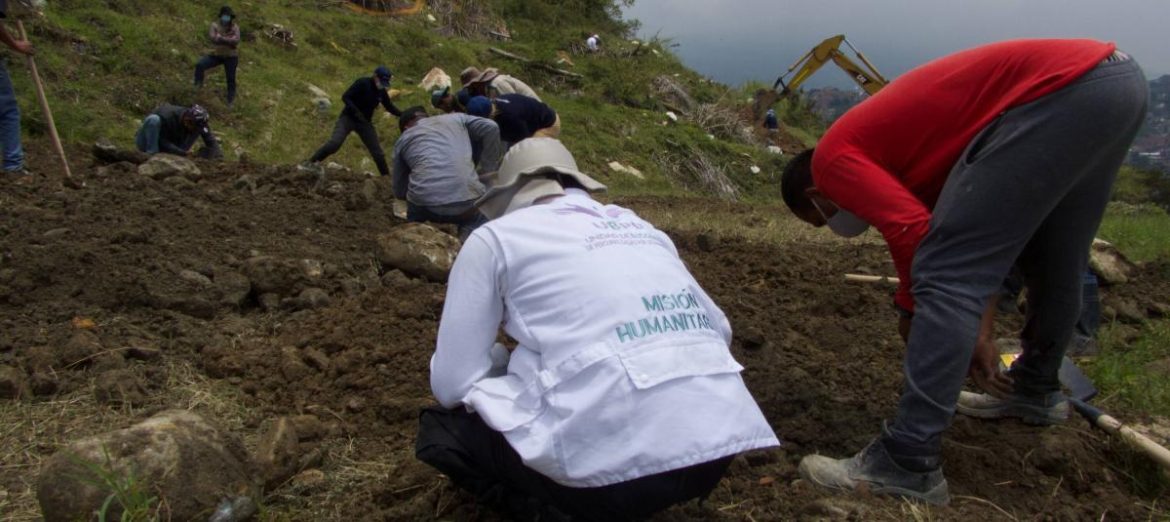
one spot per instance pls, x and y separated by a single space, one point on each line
863 73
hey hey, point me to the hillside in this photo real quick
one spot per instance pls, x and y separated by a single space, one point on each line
257 294
107 64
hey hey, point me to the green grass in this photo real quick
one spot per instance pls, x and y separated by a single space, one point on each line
1141 232
1131 372
129 496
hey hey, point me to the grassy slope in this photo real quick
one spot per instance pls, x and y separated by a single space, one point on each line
108 63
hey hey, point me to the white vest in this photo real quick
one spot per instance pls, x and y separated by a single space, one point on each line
623 368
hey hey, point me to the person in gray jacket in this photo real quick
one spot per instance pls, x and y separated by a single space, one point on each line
437 164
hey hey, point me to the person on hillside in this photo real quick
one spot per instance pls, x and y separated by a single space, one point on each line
518 116
360 101
443 100
771 122
584 418
998 155
225 39
491 83
435 166
593 43
173 129
10 146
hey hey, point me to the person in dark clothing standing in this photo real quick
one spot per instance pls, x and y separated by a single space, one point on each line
518 116
360 101
225 36
173 129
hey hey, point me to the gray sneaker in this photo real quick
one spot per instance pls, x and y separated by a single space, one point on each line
1052 409
874 470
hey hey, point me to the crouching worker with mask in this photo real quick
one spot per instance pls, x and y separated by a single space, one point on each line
621 397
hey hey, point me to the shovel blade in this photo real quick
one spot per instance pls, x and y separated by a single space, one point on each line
1078 384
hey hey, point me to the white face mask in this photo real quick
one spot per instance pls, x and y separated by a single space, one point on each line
843 223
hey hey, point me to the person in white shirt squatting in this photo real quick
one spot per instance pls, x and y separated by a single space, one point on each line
621 397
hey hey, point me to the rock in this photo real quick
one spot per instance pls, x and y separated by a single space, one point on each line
195 278
233 286
178 182
281 276
185 462
1158 310
753 339
672 116
314 298
56 232
775 150
307 481
120 387
142 350
315 358
1128 311
754 169
309 427
291 366
395 279
1108 263
355 404
364 198
618 167
277 453
79 351
162 166
12 383
40 359
106 152
269 302
417 249
43 383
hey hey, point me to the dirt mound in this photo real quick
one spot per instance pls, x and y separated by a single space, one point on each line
228 272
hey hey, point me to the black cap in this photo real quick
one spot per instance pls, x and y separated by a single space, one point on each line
409 115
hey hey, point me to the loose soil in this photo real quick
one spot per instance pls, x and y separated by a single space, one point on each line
151 271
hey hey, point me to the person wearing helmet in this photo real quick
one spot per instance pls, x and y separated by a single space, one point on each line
360 101
518 116
225 39
583 419
173 129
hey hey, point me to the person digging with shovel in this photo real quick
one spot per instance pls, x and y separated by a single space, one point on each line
996 155
10 147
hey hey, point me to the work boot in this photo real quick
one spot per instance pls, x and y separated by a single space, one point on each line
1040 411
875 470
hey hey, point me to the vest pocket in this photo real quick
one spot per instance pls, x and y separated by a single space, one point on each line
649 366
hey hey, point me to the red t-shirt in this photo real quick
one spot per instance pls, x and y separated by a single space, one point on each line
887 159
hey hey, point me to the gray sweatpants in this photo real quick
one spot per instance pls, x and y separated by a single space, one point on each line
1031 186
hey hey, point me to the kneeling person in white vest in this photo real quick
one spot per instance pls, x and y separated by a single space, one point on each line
621 397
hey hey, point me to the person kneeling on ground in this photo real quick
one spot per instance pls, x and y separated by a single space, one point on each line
998 155
360 101
173 129
435 162
621 397
518 116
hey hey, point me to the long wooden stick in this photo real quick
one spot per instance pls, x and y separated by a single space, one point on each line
861 278
32 67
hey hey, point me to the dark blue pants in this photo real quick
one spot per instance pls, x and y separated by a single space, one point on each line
1030 189
10 148
468 218
229 64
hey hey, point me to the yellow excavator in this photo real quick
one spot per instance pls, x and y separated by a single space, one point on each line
865 74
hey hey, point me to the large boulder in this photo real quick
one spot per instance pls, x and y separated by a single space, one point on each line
162 166
1108 263
272 275
177 457
106 152
417 249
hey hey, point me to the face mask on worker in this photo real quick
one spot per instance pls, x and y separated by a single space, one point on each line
843 223
226 19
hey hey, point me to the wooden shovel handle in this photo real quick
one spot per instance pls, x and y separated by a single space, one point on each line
862 278
32 67
1156 451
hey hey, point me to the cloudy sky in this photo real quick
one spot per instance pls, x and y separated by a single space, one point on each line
738 40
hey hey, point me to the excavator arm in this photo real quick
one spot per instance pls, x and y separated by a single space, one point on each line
865 74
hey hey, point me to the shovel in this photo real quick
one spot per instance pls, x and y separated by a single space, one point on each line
1081 390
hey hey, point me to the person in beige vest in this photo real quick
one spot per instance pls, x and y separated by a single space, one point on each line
491 83
225 39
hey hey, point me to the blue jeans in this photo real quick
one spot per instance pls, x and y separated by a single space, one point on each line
9 123
229 68
147 137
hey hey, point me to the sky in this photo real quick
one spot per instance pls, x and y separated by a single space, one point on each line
734 41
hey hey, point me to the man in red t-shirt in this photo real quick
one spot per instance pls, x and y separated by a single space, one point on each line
999 155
